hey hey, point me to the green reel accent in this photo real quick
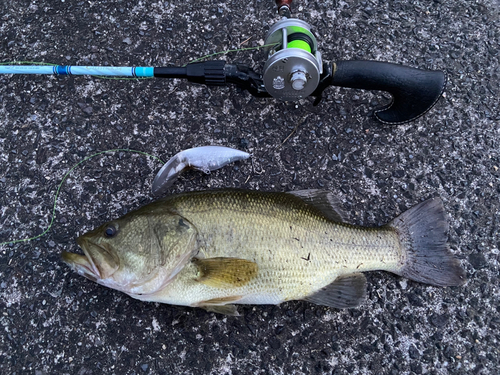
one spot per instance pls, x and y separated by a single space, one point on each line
300 38
299 44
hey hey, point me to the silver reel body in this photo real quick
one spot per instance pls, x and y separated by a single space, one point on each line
294 64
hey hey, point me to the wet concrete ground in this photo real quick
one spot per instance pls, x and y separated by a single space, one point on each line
54 321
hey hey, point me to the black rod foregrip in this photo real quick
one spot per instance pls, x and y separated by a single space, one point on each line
207 72
414 91
170 72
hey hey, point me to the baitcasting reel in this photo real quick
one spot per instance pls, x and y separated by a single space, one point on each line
294 67
294 70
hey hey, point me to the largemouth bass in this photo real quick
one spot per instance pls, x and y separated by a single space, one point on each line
215 249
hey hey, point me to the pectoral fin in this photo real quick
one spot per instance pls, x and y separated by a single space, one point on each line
345 292
225 272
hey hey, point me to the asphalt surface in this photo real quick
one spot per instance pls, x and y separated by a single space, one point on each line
54 321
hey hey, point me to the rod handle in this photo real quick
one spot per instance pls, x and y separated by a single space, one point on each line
414 91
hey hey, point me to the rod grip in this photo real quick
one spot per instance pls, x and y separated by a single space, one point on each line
414 91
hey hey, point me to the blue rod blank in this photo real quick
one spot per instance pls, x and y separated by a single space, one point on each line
112 71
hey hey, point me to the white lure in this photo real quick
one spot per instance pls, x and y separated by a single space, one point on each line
205 159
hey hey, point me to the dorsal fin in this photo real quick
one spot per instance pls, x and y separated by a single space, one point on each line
323 200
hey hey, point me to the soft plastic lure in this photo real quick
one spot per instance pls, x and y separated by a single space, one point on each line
205 159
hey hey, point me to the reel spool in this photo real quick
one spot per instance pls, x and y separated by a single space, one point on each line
294 64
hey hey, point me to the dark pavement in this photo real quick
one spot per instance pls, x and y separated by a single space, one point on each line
53 321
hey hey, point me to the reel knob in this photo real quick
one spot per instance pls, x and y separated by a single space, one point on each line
294 64
298 80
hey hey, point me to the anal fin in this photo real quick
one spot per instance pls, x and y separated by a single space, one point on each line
345 292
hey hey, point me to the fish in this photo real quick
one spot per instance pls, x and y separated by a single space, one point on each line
204 158
221 248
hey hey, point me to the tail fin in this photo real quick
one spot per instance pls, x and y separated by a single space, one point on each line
423 235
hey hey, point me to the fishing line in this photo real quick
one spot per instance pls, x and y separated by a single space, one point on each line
25 62
62 181
229 51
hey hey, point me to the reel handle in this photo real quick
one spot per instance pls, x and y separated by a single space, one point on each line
414 91
284 7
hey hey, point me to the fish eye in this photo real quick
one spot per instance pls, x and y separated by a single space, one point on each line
110 231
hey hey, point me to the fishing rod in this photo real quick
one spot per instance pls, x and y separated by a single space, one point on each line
294 70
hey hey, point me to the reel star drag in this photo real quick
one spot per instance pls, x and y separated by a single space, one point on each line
294 70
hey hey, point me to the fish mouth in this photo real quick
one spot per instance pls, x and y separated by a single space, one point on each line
83 264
